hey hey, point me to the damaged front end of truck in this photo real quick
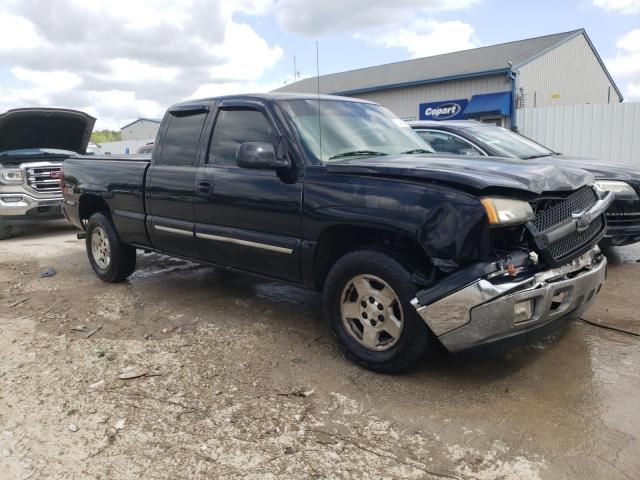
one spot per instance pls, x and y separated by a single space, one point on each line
544 267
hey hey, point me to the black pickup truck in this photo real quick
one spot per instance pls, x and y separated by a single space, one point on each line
337 194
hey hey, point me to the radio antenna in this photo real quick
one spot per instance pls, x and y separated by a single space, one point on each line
318 93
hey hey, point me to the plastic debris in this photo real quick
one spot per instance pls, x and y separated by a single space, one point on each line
49 272
129 373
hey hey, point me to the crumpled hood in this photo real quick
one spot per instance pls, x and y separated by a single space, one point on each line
600 169
55 128
479 173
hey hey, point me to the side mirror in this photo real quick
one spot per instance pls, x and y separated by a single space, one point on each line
259 155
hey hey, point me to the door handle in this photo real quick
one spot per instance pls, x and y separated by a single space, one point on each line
205 187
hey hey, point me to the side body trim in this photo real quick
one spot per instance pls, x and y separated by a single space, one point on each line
245 243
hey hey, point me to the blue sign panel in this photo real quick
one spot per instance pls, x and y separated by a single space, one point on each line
447 110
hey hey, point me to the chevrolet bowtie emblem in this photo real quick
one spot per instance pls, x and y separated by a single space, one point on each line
583 219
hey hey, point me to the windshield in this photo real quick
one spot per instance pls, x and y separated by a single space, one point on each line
351 129
509 143
30 152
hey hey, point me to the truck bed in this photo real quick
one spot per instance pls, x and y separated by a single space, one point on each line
123 187
131 158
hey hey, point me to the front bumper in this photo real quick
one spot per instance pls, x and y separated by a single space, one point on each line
21 207
499 306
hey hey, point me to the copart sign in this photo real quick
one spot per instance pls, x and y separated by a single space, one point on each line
447 110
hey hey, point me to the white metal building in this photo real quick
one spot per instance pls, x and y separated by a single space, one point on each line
489 83
140 129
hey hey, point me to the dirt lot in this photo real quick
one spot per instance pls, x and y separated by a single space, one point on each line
242 379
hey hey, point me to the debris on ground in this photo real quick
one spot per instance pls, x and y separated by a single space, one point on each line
298 392
49 272
15 304
94 331
73 427
131 372
97 384
100 351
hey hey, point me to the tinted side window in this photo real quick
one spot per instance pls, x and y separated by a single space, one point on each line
234 127
181 140
446 143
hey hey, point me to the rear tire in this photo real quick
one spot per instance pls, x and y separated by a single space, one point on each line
367 298
6 231
111 258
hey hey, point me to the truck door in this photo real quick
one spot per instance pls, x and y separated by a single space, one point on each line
170 181
246 218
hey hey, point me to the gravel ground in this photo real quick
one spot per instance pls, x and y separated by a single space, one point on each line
239 377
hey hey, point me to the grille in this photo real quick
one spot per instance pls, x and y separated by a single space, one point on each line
561 210
556 212
569 244
622 219
44 179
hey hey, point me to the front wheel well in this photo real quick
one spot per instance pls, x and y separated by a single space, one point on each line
337 241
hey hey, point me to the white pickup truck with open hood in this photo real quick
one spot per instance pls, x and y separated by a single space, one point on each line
33 144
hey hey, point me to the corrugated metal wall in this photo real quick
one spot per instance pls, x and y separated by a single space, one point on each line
404 101
567 75
607 131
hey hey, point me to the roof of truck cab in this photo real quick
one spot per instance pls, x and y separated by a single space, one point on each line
273 97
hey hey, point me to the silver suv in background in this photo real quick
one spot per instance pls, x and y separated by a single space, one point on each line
33 144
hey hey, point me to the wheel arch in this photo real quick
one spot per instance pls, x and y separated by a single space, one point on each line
338 240
90 203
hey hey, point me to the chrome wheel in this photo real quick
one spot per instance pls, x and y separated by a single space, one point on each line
100 249
371 312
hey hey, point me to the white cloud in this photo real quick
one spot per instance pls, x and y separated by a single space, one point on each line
424 38
121 59
621 6
243 50
626 64
330 16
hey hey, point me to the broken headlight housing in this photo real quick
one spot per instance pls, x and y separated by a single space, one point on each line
507 211
619 189
10 175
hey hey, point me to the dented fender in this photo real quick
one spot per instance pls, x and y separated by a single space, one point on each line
447 223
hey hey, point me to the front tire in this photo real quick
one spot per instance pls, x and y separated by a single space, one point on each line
367 298
111 259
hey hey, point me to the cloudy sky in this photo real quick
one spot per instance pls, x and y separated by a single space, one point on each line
124 59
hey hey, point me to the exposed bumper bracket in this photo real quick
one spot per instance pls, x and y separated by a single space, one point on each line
501 306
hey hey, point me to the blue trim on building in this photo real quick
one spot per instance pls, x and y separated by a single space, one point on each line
464 76
498 103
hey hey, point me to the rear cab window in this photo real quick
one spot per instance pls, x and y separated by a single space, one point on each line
180 143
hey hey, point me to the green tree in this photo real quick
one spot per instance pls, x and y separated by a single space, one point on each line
102 136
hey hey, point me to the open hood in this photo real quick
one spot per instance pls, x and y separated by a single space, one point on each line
55 128
479 173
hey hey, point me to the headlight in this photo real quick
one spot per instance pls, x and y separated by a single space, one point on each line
505 211
619 189
10 175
